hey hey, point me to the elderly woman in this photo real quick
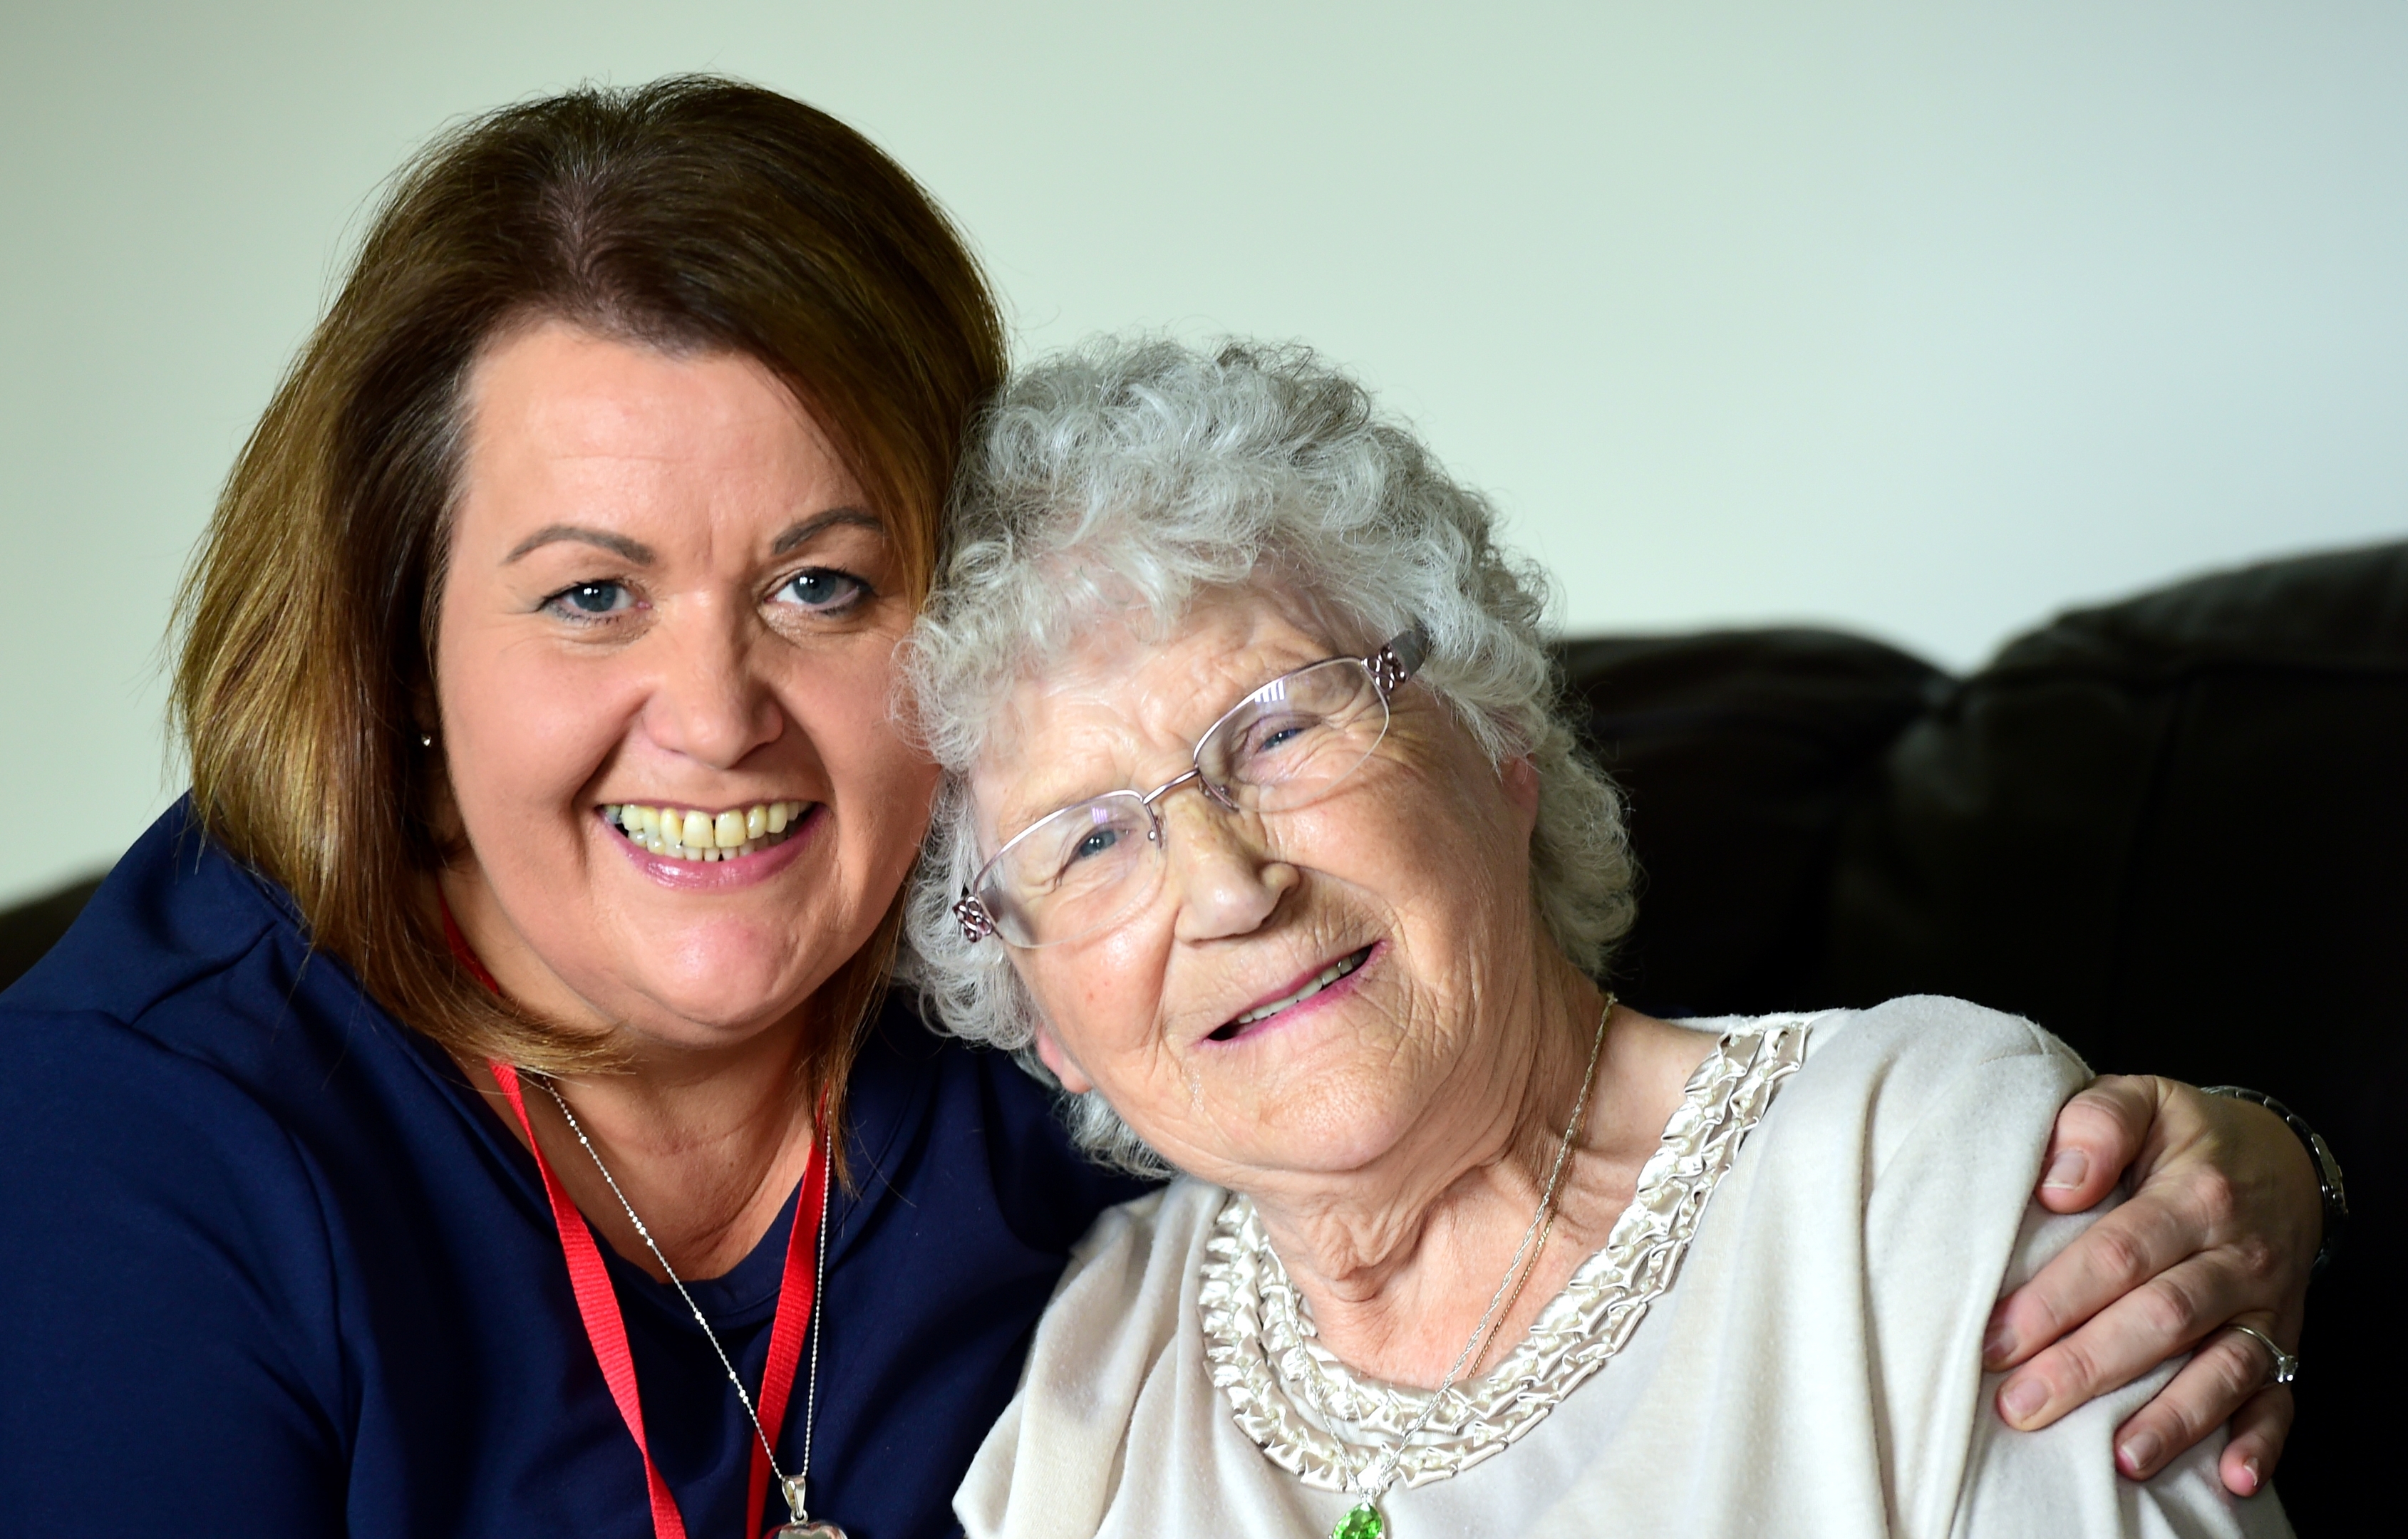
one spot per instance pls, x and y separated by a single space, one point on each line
1264 842
470 1112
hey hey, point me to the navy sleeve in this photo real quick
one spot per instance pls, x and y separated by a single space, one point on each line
167 1345
1048 1191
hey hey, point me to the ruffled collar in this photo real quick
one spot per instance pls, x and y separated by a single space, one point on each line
1314 1417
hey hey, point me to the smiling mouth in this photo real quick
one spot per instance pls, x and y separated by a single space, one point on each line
1344 966
686 834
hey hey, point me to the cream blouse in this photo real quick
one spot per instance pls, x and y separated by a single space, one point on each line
1800 1354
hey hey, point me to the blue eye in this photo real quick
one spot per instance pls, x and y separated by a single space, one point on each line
587 600
823 589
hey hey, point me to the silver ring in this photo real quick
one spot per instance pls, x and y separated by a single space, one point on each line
2287 1366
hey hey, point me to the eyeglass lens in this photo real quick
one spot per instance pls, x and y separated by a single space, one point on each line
1074 872
1295 738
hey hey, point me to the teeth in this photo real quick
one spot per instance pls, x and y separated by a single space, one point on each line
693 835
1321 980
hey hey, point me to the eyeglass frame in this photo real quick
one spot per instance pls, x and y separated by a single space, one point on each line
1396 660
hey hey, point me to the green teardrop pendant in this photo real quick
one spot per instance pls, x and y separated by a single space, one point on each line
1362 1522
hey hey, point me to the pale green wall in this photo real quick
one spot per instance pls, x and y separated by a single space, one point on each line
1924 318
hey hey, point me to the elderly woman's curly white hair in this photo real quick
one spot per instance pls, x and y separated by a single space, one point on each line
1123 480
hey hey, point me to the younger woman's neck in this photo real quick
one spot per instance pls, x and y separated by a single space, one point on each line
706 1143
706 1153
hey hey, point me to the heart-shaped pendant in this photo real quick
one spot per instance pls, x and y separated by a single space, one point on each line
795 1492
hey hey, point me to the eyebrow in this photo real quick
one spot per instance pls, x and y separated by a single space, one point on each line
800 533
618 545
643 555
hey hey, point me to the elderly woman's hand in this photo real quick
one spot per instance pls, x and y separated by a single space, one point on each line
2222 1226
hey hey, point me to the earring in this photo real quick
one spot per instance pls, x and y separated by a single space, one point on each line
426 740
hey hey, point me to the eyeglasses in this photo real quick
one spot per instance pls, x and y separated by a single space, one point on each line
1080 871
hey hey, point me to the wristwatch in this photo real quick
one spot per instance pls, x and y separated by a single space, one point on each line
2328 1182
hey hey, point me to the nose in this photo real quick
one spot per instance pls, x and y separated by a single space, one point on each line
1226 883
707 702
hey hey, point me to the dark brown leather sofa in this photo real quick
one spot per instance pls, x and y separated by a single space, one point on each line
2173 830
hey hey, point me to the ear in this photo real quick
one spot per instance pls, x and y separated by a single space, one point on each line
1065 1068
1520 778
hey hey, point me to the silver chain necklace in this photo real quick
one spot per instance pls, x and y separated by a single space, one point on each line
1364 1520
795 1487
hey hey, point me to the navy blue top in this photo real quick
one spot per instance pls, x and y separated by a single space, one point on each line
269 1266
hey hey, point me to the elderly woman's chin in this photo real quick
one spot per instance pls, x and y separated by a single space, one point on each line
1319 1088
1326 1125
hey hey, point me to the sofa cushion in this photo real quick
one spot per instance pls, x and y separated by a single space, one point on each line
2172 830
1739 754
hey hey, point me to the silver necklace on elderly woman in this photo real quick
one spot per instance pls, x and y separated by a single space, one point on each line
793 1487
1364 1520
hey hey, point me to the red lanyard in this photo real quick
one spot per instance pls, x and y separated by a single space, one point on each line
608 1331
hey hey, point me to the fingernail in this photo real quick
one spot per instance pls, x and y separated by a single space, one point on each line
2138 1453
2252 1474
2000 1344
2022 1397
2067 1170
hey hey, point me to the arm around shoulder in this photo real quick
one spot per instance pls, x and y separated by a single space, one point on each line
1960 1104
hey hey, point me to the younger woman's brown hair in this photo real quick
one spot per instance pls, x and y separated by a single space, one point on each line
691 213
